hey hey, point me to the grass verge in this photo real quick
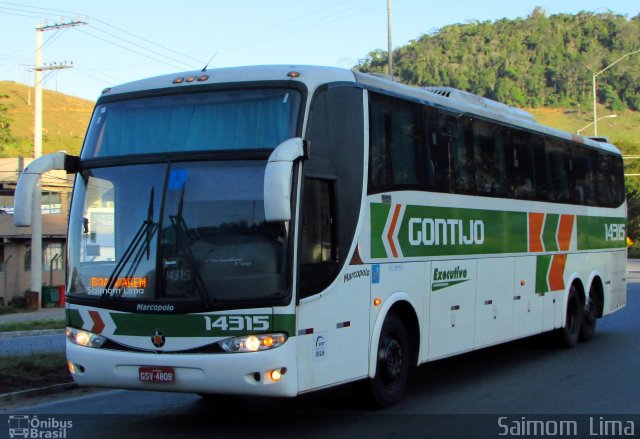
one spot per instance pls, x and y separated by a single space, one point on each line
10 309
33 371
29 326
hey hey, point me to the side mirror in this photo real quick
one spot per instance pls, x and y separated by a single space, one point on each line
28 182
278 179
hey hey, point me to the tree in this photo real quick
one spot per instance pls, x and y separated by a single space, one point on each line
633 212
530 62
5 124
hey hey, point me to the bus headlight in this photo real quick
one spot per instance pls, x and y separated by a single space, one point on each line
85 338
253 343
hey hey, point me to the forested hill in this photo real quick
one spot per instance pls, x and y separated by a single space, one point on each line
531 62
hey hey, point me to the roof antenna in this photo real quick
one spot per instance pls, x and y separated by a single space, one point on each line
204 69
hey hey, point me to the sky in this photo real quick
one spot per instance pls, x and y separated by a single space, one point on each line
124 41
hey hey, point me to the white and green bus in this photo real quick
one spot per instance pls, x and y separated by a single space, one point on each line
278 230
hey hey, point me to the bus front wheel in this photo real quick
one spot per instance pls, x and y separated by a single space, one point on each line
392 363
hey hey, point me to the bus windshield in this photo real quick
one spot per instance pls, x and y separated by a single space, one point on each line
189 231
206 121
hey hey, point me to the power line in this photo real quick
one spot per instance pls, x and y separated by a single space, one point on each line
91 77
138 45
98 72
18 15
40 9
131 50
53 39
149 41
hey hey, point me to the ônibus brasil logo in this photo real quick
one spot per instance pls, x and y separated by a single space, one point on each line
33 427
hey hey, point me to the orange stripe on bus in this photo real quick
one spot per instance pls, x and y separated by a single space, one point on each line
392 228
536 220
565 229
556 272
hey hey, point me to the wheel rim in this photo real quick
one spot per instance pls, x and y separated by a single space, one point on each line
572 317
590 312
391 362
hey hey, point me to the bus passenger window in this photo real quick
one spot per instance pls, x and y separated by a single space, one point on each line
558 168
380 173
437 152
393 135
402 139
521 169
462 158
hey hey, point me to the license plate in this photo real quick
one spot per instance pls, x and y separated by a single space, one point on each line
157 374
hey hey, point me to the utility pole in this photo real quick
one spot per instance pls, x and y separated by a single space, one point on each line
35 284
39 68
389 48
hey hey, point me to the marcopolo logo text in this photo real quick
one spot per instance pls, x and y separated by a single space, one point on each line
356 274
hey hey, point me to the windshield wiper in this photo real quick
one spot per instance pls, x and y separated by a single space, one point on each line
182 230
134 250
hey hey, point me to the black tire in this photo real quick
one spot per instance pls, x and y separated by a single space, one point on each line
392 368
569 335
589 318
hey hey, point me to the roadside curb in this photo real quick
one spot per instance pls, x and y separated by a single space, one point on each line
22 394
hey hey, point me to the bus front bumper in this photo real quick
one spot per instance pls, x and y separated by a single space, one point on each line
228 373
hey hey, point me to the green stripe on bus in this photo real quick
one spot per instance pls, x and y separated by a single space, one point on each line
73 318
595 233
550 231
443 231
543 262
379 214
200 325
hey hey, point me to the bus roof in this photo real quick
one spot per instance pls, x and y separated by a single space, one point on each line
314 76
311 76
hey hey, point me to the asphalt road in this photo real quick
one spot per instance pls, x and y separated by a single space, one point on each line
472 395
29 342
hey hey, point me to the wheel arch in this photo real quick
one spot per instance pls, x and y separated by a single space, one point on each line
596 287
574 281
401 304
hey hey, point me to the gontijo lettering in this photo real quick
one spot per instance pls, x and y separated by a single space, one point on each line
440 231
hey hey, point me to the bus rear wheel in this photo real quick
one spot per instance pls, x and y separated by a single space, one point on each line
590 317
569 335
392 365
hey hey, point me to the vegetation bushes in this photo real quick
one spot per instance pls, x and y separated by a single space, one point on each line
531 62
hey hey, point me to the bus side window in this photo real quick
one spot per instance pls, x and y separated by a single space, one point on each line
403 144
616 178
520 163
580 182
558 167
437 142
394 133
540 170
380 171
462 158
318 252
489 159
609 186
